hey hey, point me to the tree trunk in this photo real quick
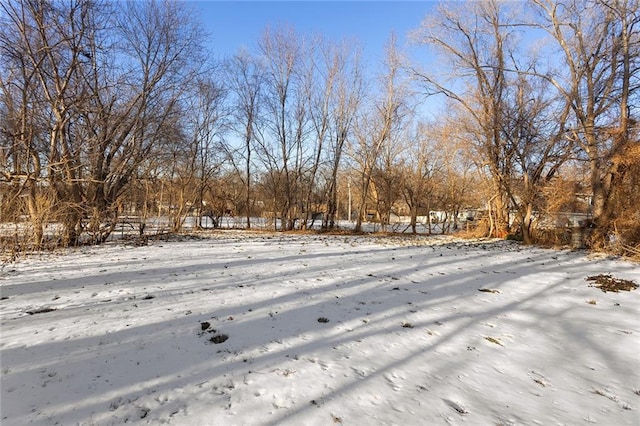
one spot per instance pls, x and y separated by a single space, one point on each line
526 224
36 217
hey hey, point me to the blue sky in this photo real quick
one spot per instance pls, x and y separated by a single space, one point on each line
233 24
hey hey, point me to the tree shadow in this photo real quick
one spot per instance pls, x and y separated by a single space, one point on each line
148 359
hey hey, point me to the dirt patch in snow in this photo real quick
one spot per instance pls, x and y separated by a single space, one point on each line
607 283
216 337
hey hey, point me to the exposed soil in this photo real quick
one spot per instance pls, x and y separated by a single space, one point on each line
607 283
219 338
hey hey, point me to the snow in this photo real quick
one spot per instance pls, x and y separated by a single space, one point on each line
321 330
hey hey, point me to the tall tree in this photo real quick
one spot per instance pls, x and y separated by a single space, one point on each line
380 126
334 99
54 39
246 85
347 102
108 77
205 121
474 40
423 161
599 45
285 120
534 125
22 131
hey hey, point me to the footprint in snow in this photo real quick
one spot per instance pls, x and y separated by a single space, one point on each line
394 380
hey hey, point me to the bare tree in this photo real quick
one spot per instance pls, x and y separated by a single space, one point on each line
22 133
534 126
53 38
474 39
109 77
423 161
333 100
285 121
378 127
600 47
207 118
345 101
161 48
387 177
456 171
245 82
196 149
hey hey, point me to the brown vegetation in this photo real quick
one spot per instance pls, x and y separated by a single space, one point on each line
114 112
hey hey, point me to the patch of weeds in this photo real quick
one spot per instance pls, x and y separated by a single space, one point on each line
488 290
287 372
591 302
219 338
148 297
493 340
323 320
407 325
606 282
205 325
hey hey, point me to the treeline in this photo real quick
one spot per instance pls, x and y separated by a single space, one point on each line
117 108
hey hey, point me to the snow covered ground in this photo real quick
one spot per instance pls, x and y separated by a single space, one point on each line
270 329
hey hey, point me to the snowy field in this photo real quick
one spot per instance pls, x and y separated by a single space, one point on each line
262 329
